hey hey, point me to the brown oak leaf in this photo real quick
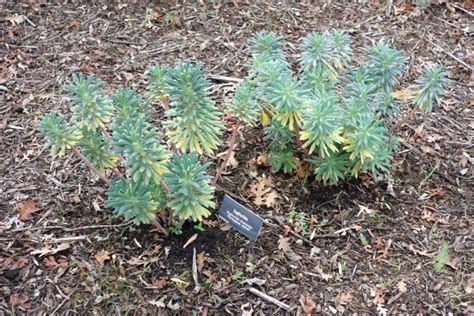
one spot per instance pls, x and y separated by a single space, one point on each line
25 209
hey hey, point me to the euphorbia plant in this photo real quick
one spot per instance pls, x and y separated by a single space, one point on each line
330 116
154 177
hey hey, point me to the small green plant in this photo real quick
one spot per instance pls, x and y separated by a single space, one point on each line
441 257
334 119
300 221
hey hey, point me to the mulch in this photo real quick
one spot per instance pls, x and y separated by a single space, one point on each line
367 247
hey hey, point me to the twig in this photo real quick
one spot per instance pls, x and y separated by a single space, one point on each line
233 138
297 135
124 42
452 56
89 164
462 9
195 272
268 298
224 78
388 9
295 234
67 229
157 224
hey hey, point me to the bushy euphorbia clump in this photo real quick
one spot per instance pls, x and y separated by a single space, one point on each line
116 138
332 112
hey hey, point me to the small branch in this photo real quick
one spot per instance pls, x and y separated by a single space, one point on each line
269 299
89 164
452 56
197 287
157 224
224 78
67 229
106 134
124 42
233 138
166 103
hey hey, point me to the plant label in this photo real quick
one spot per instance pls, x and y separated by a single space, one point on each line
240 218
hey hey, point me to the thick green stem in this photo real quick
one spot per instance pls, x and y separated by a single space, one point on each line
233 138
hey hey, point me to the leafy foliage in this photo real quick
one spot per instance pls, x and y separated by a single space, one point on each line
190 191
97 150
146 158
91 109
430 85
194 123
135 200
338 118
244 105
60 136
151 182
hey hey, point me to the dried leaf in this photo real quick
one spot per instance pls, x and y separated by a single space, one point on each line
15 19
343 298
284 245
378 244
134 261
161 282
25 209
324 276
159 304
19 299
200 258
47 250
253 281
402 286
307 304
102 256
403 95
190 240
379 296
263 192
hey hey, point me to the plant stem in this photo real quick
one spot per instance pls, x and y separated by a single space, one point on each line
297 132
157 224
89 164
233 138
404 119
166 103
106 134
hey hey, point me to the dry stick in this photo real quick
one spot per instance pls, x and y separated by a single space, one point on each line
224 78
157 224
89 164
233 138
268 298
452 56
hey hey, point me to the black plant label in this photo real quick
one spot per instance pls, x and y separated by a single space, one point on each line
240 218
